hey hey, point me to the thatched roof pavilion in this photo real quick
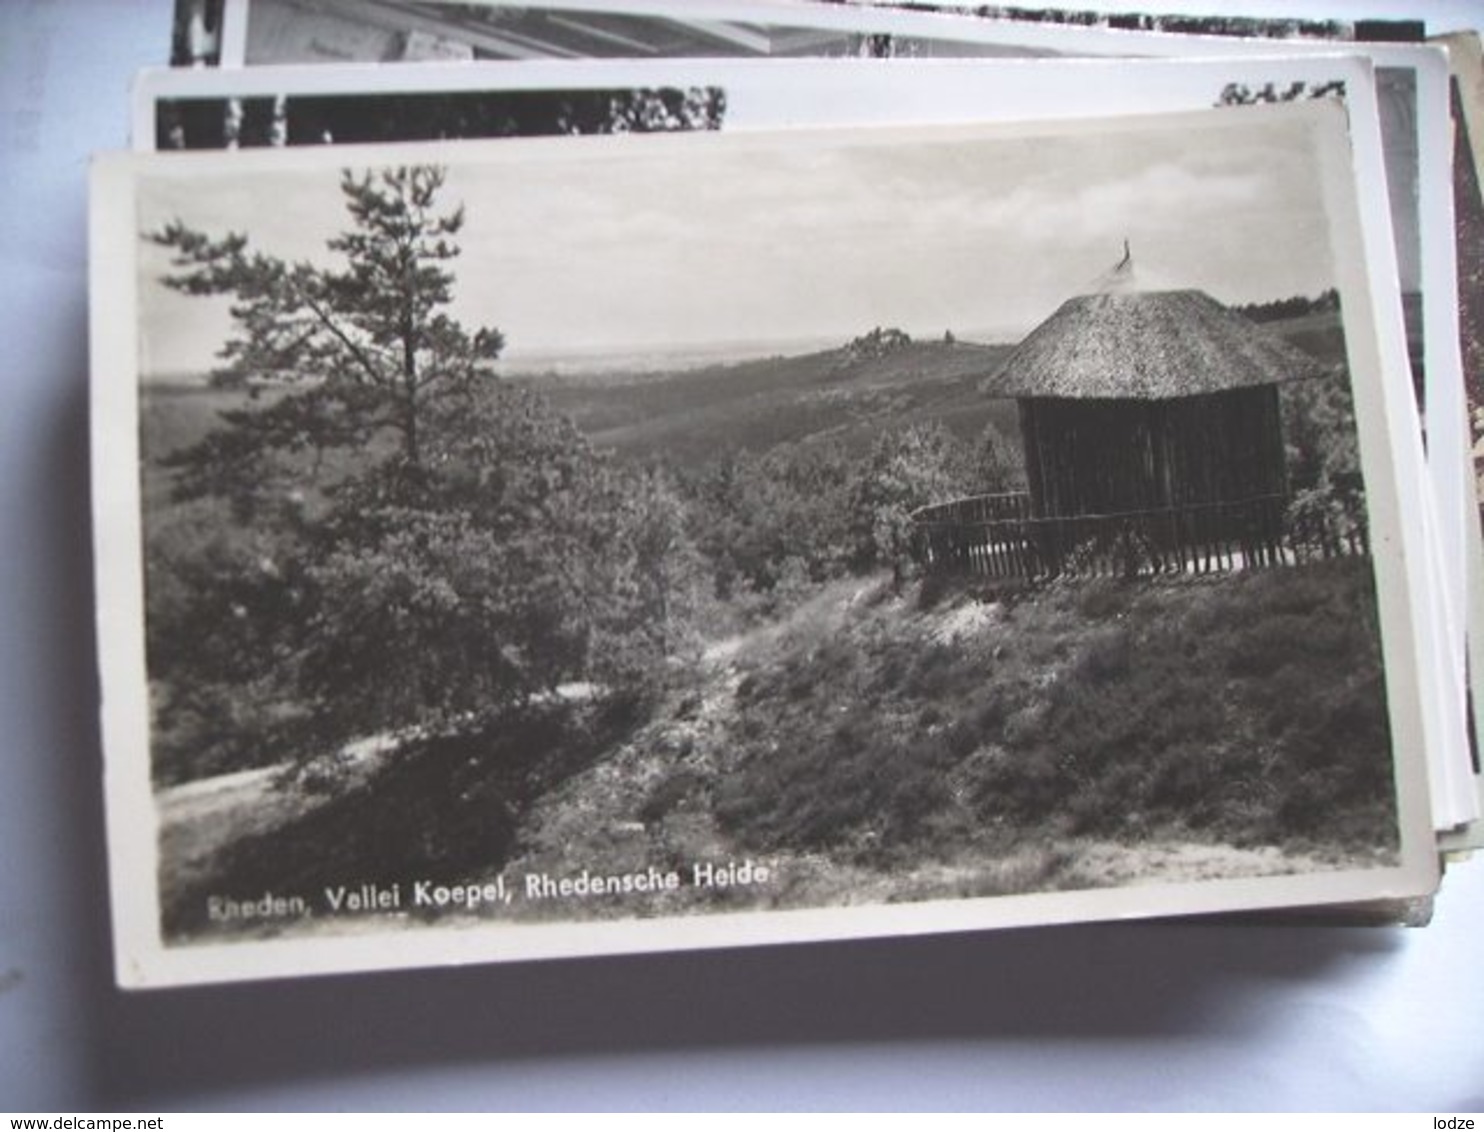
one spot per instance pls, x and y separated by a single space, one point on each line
1154 403
1147 345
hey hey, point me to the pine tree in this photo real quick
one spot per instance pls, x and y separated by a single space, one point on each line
348 356
416 537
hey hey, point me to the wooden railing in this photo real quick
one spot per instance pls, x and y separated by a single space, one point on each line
995 536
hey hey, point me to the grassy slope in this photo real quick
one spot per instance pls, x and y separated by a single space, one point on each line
874 747
1245 708
1085 735
440 809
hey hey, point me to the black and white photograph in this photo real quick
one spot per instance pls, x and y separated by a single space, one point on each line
1466 63
654 532
607 96
404 31
368 116
197 33
1326 19
1177 23
1411 93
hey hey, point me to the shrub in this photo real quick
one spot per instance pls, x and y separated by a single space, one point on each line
1109 729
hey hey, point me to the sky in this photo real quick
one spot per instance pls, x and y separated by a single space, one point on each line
632 245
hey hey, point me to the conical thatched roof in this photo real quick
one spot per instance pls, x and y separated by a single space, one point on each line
1149 345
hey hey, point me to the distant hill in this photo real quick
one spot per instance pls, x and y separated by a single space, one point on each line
845 393
692 416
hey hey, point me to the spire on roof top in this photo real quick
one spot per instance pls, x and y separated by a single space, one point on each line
1120 277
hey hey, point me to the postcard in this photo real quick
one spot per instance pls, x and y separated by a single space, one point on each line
343 31
1464 57
572 546
1412 87
312 106
1313 19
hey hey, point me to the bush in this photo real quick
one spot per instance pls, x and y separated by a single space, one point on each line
392 540
1200 710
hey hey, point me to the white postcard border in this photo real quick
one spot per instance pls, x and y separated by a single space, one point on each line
143 959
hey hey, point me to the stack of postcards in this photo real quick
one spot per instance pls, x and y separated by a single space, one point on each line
664 474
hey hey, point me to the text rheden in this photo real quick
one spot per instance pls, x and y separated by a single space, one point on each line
471 896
